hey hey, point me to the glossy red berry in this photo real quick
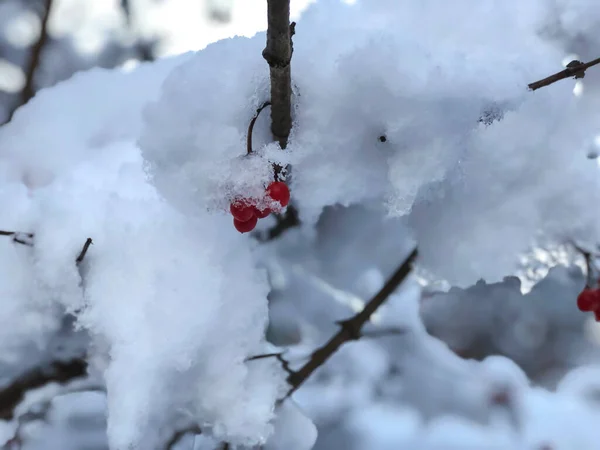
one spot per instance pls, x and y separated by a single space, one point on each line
262 213
279 192
242 210
247 226
588 300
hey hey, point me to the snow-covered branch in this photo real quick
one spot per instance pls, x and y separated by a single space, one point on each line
52 372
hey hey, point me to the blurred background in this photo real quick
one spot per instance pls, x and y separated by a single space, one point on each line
43 42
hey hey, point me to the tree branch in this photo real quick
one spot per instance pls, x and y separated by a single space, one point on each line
56 371
34 59
84 250
574 69
278 54
351 328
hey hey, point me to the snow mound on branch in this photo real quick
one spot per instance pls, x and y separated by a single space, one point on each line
468 151
154 290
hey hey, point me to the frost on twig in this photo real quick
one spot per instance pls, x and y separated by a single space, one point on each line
351 328
574 69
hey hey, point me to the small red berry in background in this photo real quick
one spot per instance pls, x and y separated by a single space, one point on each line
597 315
279 192
242 210
588 300
261 214
245 226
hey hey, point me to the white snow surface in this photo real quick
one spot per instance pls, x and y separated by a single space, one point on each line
145 162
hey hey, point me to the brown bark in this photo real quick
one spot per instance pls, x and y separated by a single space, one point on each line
278 54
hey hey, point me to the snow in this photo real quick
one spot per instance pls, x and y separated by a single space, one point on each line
145 162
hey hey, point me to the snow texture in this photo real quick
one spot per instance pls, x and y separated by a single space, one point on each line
474 168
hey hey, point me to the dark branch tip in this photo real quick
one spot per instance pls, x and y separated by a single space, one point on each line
351 328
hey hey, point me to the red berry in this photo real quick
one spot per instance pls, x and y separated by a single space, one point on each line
247 226
588 300
279 192
597 315
242 211
261 214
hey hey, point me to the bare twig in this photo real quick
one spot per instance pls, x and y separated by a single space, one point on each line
289 219
384 332
27 239
84 250
278 54
34 60
591 281
574 69
251 127
351 328
279 356
53 372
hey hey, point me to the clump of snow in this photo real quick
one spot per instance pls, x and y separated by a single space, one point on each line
154 289
293 430
146 162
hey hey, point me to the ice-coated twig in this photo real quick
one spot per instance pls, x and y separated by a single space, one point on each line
574 69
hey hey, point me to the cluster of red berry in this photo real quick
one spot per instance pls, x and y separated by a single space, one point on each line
589 301
246 214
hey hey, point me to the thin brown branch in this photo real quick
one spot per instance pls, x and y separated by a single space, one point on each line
53 372
351 328
574 69
34 59
279 356
278 54
251 127
84 250
384 332
591 282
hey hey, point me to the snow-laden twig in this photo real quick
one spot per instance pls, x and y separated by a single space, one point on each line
574 69
51 372
351 328
278 54
38 411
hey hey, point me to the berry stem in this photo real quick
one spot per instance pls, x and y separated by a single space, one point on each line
251 126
